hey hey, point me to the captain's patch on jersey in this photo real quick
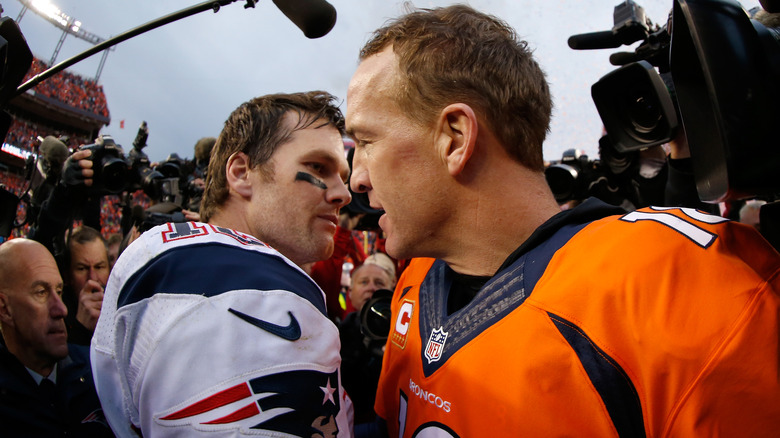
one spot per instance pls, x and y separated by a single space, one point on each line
435 345
402 324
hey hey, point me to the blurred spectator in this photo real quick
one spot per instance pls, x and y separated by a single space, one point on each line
46 386
113 242
87 275
379 274
327 273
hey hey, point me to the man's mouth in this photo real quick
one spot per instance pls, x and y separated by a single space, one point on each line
333 218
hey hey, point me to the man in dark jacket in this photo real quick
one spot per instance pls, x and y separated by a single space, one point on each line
46 386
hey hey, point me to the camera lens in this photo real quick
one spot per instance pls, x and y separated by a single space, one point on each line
378 319
375 315
113 173
643 112
169 169
562 180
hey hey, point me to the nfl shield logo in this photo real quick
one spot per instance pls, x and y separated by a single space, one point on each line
435 344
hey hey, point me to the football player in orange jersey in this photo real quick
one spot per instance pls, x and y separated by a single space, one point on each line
528 321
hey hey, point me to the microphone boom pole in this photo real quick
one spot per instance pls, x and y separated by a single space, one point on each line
186 12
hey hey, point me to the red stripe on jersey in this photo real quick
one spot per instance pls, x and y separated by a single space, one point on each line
245 412
212 402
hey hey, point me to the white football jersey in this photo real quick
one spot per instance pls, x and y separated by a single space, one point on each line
208 331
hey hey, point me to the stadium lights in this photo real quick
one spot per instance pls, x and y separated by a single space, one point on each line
50 11
54 15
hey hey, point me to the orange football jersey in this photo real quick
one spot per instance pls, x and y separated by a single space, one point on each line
660 322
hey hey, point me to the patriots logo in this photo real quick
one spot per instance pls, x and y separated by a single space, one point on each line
301 403
95 416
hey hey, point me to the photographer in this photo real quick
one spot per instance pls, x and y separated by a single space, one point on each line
56 213
361 357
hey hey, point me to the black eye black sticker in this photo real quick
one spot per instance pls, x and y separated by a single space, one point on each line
303 176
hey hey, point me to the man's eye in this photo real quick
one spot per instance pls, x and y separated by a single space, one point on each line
317 167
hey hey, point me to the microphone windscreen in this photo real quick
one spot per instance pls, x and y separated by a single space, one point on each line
314 17
54 151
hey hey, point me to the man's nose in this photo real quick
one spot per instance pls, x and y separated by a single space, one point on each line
57 308
339 194
359 181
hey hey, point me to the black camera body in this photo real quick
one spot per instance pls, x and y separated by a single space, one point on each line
718 76
152 219
571 177
111 169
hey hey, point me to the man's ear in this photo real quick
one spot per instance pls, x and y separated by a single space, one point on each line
456 136
5 310
237 171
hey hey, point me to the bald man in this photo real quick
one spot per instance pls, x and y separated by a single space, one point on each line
46 386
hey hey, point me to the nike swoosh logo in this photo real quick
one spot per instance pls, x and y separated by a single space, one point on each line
290 332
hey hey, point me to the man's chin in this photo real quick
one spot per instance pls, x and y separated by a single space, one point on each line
59 352
396 249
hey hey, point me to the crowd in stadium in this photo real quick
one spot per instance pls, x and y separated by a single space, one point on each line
24 134
71 89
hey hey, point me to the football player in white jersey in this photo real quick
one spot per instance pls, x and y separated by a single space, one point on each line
212 328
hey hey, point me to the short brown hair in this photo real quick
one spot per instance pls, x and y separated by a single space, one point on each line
85 234
257 129
457 54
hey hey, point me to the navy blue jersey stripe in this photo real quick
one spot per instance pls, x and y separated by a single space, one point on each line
211 269
500 296
612 383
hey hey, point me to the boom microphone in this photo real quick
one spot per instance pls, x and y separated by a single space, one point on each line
605 39
623 58
314 17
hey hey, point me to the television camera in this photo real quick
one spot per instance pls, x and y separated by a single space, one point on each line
711 71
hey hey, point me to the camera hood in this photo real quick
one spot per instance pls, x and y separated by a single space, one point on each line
643 114
726 73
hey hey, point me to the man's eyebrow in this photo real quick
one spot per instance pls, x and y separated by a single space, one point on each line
45 284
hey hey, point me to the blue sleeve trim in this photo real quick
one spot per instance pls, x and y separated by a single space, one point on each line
212 269
612 383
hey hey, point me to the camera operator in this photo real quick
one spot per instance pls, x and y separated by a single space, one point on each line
55 215
681 184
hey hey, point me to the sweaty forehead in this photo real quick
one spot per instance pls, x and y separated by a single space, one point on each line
373 80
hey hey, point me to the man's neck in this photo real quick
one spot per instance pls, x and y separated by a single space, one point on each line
30 360
51 375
